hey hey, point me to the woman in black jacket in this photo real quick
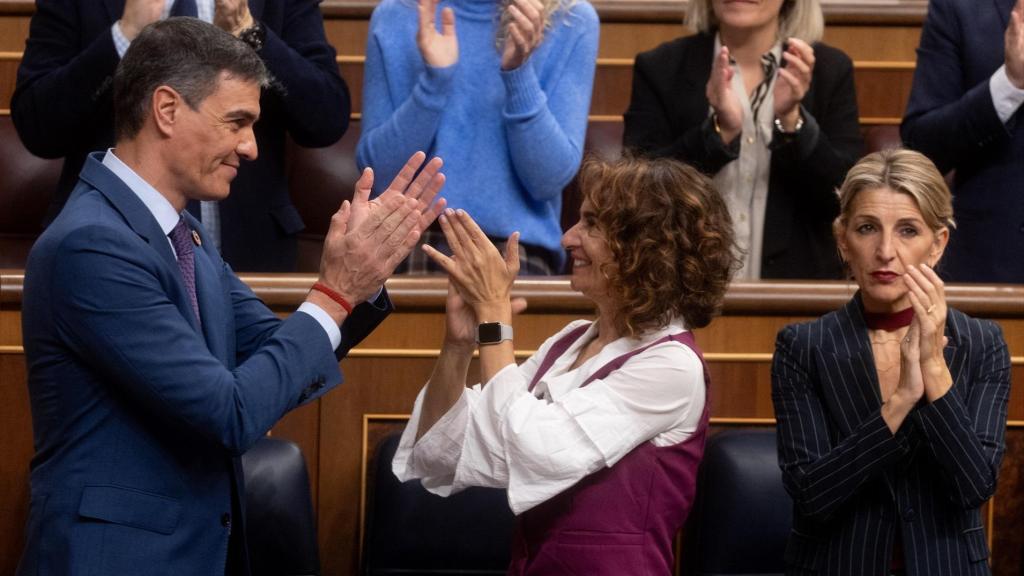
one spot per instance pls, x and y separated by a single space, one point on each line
754 100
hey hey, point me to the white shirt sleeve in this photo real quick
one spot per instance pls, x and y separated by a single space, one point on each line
331 329
501 435
1006 97
121 42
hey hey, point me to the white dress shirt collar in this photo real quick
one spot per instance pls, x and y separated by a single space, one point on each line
166 216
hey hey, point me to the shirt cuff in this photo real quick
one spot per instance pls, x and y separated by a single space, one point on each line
373 300
121 42
1006 97
318 314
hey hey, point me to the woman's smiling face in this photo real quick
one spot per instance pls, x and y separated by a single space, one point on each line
588 252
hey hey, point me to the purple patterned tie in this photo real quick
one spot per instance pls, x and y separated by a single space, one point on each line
181 239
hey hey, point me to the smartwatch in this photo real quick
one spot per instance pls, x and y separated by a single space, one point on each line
254 36
493 333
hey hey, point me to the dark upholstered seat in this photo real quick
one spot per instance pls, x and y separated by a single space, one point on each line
26 185
279 522
742 516
411 531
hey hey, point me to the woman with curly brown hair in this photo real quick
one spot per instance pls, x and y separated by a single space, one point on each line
598 436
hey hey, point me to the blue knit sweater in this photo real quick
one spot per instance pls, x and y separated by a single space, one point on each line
510 140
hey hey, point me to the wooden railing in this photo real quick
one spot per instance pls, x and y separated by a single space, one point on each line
383 375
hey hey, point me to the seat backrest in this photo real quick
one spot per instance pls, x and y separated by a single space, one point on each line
279 521
882 137
411 531
27 184
742 516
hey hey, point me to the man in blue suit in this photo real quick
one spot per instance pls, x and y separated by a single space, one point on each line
62 106
151 367
964 114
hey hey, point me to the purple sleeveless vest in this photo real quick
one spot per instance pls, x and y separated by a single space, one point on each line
619 520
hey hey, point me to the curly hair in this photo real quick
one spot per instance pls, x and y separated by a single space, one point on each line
670 236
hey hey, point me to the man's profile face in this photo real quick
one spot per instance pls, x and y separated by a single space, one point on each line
211 141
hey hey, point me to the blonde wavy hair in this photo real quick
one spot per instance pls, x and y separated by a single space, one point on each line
797 19
552 10
904 171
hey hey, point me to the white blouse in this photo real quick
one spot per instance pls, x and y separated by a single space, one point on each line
538 444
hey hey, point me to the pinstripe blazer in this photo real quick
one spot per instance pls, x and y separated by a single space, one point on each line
854 483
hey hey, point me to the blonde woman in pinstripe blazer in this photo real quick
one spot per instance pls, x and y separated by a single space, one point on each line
892 410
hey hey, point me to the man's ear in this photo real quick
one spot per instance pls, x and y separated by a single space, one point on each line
166 107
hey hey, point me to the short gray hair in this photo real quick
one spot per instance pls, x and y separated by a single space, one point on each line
186 54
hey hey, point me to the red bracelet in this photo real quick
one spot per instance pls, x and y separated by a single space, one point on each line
327 291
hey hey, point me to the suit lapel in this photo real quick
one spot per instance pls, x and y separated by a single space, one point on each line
1003 8
954 353
134 212
114 8
695 65
209 294
851 379
142 222
849 368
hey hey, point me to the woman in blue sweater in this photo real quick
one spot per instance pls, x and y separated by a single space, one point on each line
502 96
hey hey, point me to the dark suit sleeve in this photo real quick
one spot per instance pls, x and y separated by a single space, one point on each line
948 121
315 98
253 325
364 319
965 429
60 79
830 141
819 473
648 128
111 305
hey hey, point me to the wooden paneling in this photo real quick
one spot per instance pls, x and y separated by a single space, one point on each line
882 87
8 75
1007 537
884 53
13 31
383 375
15 453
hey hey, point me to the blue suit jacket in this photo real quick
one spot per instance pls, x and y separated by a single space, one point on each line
854 483
139 416
951 118
62 107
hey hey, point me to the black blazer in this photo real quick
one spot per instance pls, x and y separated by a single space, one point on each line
854 483
951 118
668 116
62 107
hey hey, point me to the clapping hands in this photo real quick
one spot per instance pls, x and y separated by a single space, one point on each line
524 33
439 50
723 99
793 81
369 238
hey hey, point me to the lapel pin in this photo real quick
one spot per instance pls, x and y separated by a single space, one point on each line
196 239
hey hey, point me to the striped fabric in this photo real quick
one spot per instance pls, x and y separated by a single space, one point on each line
853 483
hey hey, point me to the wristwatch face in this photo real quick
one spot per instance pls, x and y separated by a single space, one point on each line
488 333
